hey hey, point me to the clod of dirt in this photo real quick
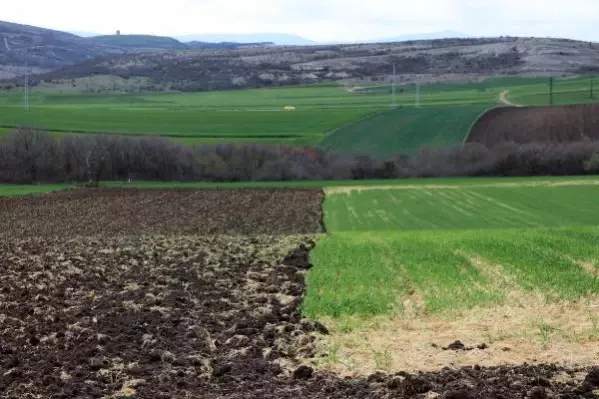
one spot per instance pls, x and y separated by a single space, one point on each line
457 346
461 394
303 373
537 393
221 370
592 379
321 328
482 346
12 362
297 258
543 382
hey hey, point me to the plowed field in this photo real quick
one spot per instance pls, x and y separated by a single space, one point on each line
536 124
131 211
92 308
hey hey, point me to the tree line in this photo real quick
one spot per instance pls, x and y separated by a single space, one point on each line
28 156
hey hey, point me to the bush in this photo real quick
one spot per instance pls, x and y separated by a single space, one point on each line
30 155
592 165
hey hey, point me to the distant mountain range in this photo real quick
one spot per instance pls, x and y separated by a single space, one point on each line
276 38
293 40
447 34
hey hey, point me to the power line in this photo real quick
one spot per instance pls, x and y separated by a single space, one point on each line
26 87
393 95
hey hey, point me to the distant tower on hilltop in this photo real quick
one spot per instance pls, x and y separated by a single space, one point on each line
118 32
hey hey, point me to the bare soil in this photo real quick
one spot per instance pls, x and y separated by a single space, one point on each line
108 212
185 316
525 125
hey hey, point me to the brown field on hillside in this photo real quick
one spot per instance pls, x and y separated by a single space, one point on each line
524 125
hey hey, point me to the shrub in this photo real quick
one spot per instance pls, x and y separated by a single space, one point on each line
30 155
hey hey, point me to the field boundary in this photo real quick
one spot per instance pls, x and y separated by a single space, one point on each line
504 100
363 119
349 189
159 135
465 141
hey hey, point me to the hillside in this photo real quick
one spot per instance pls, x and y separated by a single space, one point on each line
44 49
169 64
565 124
358 64
139 42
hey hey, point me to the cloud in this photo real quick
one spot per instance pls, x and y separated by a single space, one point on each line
319 19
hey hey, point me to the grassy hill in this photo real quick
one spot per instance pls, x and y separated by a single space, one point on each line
139 42
405 130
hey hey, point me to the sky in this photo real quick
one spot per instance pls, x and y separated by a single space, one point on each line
319 20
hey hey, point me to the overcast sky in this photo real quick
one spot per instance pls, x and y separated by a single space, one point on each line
321 20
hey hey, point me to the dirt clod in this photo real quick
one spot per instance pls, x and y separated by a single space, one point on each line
537 393
303 372
457 346
462 394
221 370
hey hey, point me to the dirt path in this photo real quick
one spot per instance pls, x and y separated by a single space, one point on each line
503 99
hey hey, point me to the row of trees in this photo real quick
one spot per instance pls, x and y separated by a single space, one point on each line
35 156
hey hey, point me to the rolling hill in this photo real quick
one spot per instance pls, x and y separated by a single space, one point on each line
44 49
462 60
139 42
172 65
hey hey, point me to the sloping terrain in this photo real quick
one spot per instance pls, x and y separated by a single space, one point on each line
405 130
44 49
139 42
39 50
523 125
257 66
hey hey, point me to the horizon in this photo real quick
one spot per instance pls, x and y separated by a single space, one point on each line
336 21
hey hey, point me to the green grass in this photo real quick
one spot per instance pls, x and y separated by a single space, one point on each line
10 190
456 248
185 123
327 96
565 91
462 208
256 115
374 272
405 130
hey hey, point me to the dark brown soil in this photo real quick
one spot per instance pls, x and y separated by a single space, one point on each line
537 124
131 211
182 317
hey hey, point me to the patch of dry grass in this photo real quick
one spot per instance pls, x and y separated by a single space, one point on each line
526 329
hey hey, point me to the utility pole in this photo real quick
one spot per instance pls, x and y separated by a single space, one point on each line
592 88
417 94
26 87
393 96
551 90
